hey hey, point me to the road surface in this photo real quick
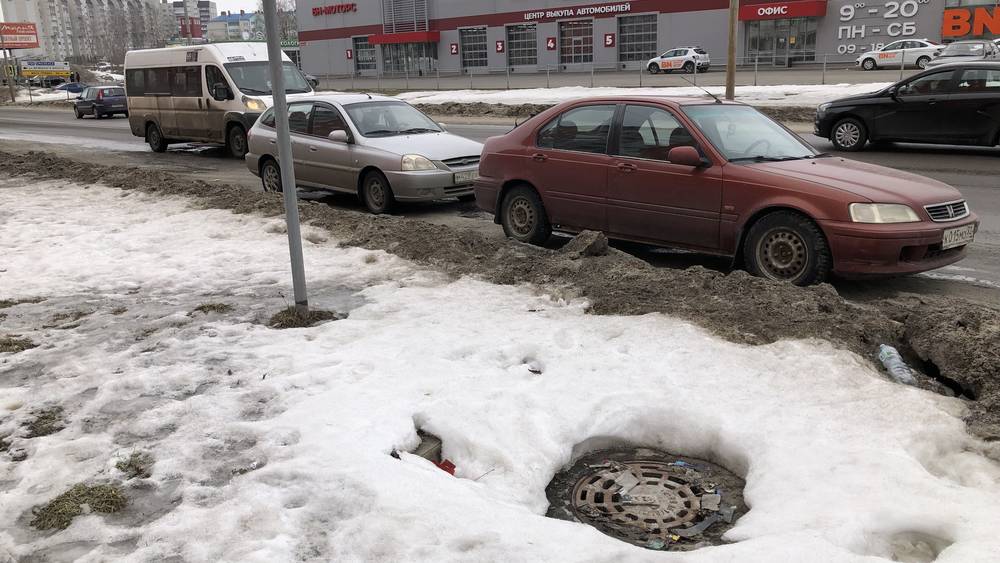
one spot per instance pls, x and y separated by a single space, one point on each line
974 171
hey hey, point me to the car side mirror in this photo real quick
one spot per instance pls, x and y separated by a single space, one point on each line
441 125
338 136
685 156
892 91
313 81
221 92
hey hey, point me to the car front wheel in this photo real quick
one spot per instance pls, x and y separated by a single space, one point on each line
237 142
523 216
787 246
849 135
869 64
76 111
376 193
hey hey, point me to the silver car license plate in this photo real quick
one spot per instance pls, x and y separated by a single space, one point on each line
466 177
958 237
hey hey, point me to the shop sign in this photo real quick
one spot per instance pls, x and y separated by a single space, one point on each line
44 68
609 39
593 10
975 22
783 10
19 35
550 43
335 9
453 48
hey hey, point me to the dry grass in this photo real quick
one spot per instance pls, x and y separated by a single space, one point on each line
5 303
118 311
138 464
4 444
12 344
291 318
206 308
59 513
47 421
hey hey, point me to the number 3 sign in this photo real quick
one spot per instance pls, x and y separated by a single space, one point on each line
499 46
609 39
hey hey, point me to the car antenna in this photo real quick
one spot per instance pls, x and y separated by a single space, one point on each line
717 100
369 95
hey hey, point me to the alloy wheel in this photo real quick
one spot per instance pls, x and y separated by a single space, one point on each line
848 134
272 178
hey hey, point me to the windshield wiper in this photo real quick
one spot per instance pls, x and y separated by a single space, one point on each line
295 91
419 130
762 158
380 132
252 90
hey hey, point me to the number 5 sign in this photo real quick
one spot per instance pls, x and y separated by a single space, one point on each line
550 43
499 46
609 39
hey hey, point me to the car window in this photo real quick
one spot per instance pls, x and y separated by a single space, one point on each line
114 91
701 51
298 117
327 120
213 76
650 133
743 133
583 129
934 83
894 46
268 118
975 80
387 118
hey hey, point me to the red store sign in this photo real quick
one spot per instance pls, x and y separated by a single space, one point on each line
597 10
19 35
335 9
782 10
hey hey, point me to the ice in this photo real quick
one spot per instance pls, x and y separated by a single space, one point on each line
273 445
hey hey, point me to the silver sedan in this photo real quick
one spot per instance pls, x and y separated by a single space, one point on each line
382 149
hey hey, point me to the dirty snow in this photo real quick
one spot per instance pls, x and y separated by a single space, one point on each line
43 95
787 95
80 142
273 445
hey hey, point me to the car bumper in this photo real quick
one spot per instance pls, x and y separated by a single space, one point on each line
487 192
822 125
253 163
428 185
861 250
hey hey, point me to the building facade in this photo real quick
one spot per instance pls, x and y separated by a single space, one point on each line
236 27
85 31
474 36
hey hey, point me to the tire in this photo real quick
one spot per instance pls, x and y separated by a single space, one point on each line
787 246
76 111
236 141
270 176
849 134
922 62
125 114
376 193
523 216
155 138
869 64
97 114
653 68
688 67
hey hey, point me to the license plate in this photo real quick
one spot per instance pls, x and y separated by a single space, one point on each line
466 177
958 237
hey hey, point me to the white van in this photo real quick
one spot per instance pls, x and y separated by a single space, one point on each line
209 93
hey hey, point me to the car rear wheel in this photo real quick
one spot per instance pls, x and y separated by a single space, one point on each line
653 68
376 193
236 141
688 67
523 216
155 138
922 62
76 111
787 246
270 176
849 135
869 64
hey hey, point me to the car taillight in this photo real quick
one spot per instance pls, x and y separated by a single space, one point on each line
100 95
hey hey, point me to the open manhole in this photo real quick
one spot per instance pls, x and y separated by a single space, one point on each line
649 498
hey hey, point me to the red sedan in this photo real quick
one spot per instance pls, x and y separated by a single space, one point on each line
718 178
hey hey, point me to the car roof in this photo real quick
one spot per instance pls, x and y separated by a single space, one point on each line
344 99
970 64
667 100
969 41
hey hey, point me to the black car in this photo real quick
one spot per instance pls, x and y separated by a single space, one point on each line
100 101
956 104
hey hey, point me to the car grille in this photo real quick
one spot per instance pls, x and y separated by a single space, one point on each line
950 211
462 161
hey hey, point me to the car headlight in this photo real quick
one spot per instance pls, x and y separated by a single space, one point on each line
823 107
882 213
253 104
413 162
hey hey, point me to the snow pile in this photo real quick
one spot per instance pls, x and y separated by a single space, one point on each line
273 445
787 95
43 95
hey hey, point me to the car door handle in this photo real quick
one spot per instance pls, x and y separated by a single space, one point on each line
539 157
313 149
932 101
273 141
626 167
199 103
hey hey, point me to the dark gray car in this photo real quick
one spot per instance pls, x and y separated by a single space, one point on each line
101 101
966 51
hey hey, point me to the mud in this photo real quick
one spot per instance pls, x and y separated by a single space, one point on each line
477 109
949 338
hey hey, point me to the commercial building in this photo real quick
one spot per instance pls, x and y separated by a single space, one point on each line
474 36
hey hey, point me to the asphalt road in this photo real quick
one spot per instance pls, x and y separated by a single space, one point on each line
976 172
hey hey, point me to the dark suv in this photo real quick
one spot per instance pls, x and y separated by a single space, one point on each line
956 104
100 101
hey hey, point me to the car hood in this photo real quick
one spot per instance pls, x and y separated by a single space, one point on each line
857 97
868 181
435 146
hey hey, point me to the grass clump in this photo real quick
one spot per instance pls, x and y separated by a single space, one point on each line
5 303
4 444
81 499
291 318
118 311
206 308
46 421
139 464
12 344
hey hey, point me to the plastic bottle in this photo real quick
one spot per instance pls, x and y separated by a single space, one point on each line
894 364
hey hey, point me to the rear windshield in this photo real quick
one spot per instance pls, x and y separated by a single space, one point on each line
701 51
959 49
114 91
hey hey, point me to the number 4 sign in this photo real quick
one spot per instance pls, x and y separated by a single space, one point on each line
550 43
499 46
609 39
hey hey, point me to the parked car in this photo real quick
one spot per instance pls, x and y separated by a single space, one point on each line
720 178
953 104
685 59
913 52
73 87
101 101
966 51
382 149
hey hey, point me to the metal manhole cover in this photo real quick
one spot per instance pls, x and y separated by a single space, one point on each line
649 498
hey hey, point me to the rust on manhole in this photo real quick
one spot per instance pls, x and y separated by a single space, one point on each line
649 498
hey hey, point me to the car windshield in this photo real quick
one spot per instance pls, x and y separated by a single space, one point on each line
255 78
114 91
962 49
743 134
386 119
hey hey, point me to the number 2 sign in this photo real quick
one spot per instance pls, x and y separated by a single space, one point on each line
454 48
609 39
499 46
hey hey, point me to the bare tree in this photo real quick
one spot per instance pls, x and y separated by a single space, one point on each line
288 25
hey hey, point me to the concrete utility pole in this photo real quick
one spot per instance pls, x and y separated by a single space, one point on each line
734 13
285 156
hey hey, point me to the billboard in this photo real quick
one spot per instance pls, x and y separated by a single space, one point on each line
19 35
30 69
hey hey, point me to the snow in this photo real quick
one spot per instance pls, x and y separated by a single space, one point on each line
80 142
273 445
786 95
43 95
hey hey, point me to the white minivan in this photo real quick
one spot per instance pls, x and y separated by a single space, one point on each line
209 93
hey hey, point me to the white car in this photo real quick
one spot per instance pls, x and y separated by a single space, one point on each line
917 52
685 59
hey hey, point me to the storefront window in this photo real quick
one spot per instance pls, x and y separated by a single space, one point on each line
415 59
473 42
522 46
637 38
576 42
364 54
779 41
